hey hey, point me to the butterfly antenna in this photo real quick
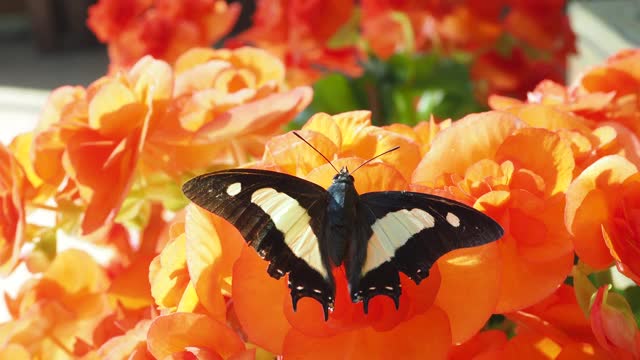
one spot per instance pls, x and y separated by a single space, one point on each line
318 151
375 157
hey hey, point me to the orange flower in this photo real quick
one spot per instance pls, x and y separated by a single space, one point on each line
139 132
483 159
193 270
97 135
604 95
55 315
130 345
555 328
227 104
163 29
601 213
175 336
187 335
298 32
13 185
270 322
614 325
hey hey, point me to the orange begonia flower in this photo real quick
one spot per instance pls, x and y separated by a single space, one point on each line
555 328
13 187
193 271
194 336
262 304
602 213
97 136
298 32
163 29
604 95
614 325
589 140
58 312
482 159
130 285
227 104
153 125
130 345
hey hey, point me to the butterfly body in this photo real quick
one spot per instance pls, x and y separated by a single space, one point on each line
341 214
305 231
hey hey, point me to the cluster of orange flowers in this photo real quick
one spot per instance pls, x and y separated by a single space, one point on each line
163 29
513 44
559 171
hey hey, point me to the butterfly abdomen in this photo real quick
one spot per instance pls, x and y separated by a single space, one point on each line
340 217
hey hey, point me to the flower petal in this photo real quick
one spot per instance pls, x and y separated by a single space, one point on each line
212 247
469 274
587 206
173 333
258 301
434 339
552 160
467 141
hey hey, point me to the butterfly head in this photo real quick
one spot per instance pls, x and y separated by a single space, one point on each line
343 176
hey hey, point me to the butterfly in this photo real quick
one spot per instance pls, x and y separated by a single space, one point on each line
304 230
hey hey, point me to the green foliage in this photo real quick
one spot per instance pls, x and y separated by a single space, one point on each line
405 89
632 294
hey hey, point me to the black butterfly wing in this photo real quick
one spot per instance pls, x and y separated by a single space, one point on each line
408 232
280 216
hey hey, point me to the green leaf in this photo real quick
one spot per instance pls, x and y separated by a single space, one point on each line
406 88
632 294
583 287
333 94
47 243
134 213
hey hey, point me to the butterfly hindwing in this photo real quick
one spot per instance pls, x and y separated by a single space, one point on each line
279 215
408 232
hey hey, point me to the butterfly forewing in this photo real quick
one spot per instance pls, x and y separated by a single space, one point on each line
279 215
408 233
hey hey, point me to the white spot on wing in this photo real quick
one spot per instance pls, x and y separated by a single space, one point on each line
391 232
294 222
453 220
234 189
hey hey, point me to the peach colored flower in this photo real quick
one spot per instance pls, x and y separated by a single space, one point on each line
137 133
13 188
226 105
55 315
601 213
483 159
188 335
163 29
580 118
604 95
102 132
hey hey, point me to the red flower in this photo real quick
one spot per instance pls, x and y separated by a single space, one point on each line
163 29
299 33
